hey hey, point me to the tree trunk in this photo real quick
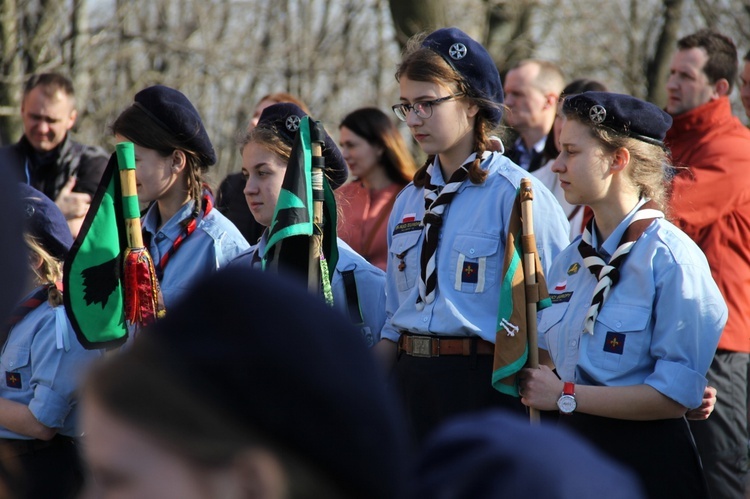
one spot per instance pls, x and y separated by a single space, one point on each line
413 16
11 77
657 71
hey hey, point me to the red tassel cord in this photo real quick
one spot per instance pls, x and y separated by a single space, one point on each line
142 304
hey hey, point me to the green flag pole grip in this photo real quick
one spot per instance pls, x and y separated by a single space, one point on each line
130 208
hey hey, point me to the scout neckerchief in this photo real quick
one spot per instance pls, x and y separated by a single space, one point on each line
435 202
607 275
189 228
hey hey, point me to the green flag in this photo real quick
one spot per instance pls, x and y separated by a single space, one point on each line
292 226
511 342
93 290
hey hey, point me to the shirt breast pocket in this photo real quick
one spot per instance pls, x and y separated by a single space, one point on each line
620 338
405 257
15 366
549 327
474 262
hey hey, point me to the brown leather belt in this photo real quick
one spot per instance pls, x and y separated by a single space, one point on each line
434 346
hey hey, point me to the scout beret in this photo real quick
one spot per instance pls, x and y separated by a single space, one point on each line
494 454
172 111
621 113
472 61
284 118
44 221
286 367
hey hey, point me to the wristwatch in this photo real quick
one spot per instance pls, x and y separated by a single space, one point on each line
567 401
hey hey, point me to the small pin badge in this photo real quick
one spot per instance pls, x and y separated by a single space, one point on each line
292 123
573 269
457 51
597 114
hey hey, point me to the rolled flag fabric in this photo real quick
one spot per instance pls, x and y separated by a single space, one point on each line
511 338
292 226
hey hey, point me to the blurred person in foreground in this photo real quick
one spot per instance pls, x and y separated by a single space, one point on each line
244 396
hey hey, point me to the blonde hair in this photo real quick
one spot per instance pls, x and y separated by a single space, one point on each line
48 269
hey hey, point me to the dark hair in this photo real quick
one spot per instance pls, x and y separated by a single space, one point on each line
722 54
423 64
574 87
376 127
51 82
747 56
137 126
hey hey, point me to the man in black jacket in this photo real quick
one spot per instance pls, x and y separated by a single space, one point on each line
46 157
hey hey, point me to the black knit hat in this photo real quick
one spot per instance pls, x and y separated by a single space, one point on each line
172 111
284 118
621 113
45 222
470 59
288 368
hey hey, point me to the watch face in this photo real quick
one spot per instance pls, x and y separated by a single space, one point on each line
566 404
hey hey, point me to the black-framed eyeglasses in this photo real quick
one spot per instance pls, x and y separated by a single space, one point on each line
422 109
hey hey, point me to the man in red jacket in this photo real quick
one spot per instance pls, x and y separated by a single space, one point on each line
711 203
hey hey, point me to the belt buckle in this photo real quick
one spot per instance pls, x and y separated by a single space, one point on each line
421 346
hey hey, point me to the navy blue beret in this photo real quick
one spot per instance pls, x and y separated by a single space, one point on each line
621 113
172 111
284 119
470 59
45 222
495 454
288 368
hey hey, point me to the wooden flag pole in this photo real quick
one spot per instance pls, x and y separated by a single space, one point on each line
316 240
528 243
142 302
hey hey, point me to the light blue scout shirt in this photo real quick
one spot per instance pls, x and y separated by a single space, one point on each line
370 283
469 254
42 363
213 244
659 325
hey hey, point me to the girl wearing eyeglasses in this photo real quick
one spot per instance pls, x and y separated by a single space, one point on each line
447 232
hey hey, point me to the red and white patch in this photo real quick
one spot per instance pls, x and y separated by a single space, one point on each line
560 286
409 217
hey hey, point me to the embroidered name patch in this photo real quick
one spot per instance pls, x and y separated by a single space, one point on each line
614 342
13 380
561 297
408 226
470 272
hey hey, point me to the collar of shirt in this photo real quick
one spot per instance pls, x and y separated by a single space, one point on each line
609 246
436 173
170 230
